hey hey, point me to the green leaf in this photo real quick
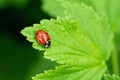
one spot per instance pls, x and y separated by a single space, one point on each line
109 77
82 35
81 41
109 8
72 73
30 33
53 8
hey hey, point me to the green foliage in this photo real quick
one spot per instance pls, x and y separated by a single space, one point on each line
109 8
14 3
81 43
109 77
53 7
72 73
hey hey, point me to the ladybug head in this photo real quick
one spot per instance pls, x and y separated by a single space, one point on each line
47 44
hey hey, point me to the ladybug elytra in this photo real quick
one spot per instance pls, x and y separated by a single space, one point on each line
43 38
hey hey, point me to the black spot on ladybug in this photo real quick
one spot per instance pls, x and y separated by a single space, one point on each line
36 33
39 40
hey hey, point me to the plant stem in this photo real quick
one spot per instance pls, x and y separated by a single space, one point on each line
115 63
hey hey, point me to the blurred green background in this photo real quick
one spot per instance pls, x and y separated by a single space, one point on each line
18 60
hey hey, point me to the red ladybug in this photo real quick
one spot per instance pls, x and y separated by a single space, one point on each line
43 38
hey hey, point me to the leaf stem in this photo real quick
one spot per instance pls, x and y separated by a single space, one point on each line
115 63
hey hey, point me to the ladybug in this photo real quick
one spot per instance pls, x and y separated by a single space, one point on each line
43 38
